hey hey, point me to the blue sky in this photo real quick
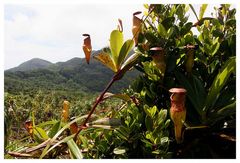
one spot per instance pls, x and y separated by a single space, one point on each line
12 10
54 32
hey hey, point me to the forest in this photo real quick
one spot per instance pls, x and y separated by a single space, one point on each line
169 92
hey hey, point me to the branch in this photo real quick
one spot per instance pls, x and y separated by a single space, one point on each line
98 100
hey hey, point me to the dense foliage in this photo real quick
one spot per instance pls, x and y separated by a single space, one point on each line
168 54
71 75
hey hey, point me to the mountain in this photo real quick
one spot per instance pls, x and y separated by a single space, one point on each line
72 75
35 63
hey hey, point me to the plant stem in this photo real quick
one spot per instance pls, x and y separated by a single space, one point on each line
116 77
98 100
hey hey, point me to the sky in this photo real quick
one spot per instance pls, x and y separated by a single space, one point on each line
54 32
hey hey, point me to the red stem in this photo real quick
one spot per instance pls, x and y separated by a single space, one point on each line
95 105
116 77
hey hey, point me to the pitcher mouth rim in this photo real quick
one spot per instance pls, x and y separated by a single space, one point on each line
177 90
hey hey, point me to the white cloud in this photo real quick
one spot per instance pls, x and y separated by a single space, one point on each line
53 32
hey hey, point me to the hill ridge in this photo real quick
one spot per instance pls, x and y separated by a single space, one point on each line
72 75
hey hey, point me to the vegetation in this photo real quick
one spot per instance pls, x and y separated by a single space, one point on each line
71 76
138 125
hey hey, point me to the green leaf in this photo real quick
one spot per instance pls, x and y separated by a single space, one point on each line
129 63
231 23
223 113
167 123
124 97
186 28
107 123
164 141
74 149
116 42
58 143
202 10
170 32
150 111
126 48
46 149
106 60
51 122
220 80
192 8
119 150
55 128
147 142
33 120
122 132
227 95
151 37
161 30
227 110
168 22
195 90
217 33
214 48
201 21
149 123
162 115
40 132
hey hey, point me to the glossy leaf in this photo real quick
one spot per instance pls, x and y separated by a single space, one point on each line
150 111
202 10
161 30
87 47
116 42
214 48
126 48
201 21
219 82
164 141
119 151
195 90
130 62
40 133
124 97
226 111
120 134
113 122
168 22
186 28
127 65
192 8
105 59
46 149
227 95
149 123
162 115
74 149
58 143
55 128
51 122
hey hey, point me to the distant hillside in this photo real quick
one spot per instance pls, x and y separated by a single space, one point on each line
72 75
35 63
